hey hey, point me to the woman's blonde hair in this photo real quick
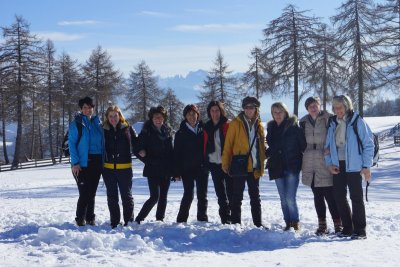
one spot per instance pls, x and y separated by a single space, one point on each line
281 106
344 100
115 108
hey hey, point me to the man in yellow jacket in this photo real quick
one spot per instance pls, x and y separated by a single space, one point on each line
242 130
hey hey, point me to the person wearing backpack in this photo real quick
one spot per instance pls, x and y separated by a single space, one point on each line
349 163
86 147
315 174
154 149
117 173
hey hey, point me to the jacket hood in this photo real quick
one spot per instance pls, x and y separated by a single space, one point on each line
148 127
291 121
120 125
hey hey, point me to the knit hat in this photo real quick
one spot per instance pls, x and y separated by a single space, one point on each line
189 108
312 99
249 100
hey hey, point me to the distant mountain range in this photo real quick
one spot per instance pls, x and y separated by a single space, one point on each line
186 87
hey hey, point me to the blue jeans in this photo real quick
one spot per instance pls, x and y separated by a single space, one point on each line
287 188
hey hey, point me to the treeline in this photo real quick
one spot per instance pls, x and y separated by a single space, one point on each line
384 108
357 53
39 91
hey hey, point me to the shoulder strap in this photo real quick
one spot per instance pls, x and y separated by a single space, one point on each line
331 119
355 129
252 142
302 124
79 126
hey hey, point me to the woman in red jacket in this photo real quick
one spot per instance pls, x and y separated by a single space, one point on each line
214 136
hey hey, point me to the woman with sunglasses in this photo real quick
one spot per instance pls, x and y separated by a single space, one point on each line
349 157
245 128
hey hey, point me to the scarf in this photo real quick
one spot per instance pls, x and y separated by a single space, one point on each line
340 132
210 128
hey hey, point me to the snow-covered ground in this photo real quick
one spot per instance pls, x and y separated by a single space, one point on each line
37 226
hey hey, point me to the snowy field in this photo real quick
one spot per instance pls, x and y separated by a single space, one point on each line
38 209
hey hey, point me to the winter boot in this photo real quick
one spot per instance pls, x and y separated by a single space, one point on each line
322 227
338 225
296 226
80 222
287 227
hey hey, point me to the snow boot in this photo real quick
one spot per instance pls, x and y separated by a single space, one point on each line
80 222
322 227
358 236
338 225
287 226
296 226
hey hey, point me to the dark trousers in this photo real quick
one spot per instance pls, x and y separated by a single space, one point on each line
87 181
122 180
320 195
355 222
255 200
188 181
158 187
223 186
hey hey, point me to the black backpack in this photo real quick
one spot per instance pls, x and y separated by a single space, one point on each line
360 147
65 145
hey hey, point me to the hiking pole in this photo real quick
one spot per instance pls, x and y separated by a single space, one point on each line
366 191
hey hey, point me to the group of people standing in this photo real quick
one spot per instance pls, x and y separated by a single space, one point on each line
324 147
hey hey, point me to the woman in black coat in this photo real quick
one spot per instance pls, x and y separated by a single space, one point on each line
117 173
286 143
189 164
154 148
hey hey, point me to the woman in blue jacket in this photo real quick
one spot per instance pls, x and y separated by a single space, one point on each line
348 158
86 145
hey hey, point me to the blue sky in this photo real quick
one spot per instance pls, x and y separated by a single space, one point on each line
173 37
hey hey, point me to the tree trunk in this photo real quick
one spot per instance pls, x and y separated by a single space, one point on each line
325 81
50 124
18 138
33 128
40 139
3 124
296 72
360 69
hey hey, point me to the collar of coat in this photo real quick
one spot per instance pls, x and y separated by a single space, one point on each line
325 115
120 125
242 119
184 127
80 118
148 127
287 123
